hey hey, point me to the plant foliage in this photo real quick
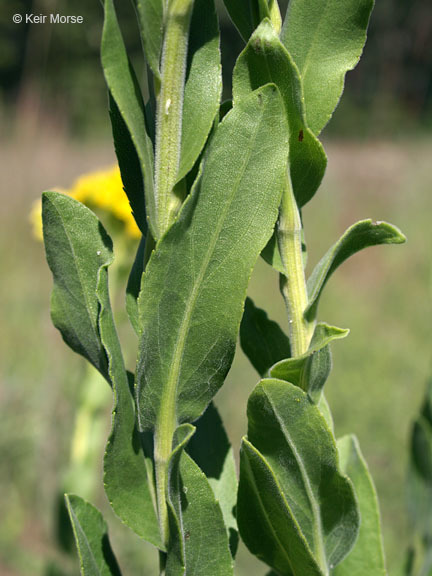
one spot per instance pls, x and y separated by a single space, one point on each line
211 188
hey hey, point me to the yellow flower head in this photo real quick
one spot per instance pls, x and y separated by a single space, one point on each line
101 190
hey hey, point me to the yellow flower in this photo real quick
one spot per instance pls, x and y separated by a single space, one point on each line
101 190
35 218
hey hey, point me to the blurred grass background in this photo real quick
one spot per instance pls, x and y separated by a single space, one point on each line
54 126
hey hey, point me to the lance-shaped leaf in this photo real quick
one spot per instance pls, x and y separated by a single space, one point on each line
77 247
326 39
296 510
359 236
203 84
150 18
420 469
128 474
193 507
262 340
195 284
129 165
91 538
209 447
267 525
125 92
311 370
367 556
264 60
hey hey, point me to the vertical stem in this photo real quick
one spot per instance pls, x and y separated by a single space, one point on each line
293 283
168 195
169 111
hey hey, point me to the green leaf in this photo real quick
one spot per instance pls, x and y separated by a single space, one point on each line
324 408
272 256
134 286
209 447
91 538
191 502
420 477
296 510
203 84
311 370
262 339
247 14
128 475
264 60
175 562
195 284
359 236
325 39
267 525
126 93
150 18
367 556
129 165
77 248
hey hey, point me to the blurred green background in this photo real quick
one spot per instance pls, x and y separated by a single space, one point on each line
54 127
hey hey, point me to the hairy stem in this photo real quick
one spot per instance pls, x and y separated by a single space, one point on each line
169 112
163 447
293 283
168 195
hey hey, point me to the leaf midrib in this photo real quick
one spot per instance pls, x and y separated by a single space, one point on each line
264 510
169 392
312 45
79 529
319 538
74 259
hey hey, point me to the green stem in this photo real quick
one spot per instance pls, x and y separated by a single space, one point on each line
169 112
169 196
293 283
163 447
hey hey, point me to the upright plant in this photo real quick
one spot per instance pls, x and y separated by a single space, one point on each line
212 187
